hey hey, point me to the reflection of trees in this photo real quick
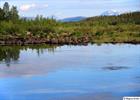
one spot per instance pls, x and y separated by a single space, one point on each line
40 49
9 54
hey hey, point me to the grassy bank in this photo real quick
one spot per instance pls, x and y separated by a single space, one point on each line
124 28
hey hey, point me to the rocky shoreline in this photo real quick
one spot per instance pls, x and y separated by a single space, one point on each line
61 41
25 41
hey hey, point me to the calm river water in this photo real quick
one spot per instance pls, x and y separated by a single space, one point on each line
93 72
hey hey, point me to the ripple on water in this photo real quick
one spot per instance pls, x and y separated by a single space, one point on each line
115 68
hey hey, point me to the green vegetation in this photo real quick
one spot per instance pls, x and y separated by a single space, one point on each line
124 28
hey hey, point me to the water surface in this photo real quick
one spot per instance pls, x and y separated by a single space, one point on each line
88 72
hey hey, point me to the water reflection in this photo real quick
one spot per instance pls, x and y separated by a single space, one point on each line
11 54
70 72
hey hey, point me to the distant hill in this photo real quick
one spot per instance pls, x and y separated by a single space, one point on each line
132 17
73 19
110 13
28 18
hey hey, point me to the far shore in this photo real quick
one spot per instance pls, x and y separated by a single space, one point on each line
61 41
123 28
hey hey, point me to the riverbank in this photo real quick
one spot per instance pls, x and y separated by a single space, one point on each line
62 41
124 28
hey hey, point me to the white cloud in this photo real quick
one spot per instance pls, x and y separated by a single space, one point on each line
45 5
27 7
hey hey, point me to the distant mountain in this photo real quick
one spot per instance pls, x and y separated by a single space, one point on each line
73 19
28 18
110 13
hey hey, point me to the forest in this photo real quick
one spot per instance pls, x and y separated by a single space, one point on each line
124 28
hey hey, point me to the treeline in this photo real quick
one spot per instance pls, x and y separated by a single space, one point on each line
8 13
131 17
124 28
12 25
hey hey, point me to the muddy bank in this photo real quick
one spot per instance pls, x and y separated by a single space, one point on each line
24 41
61 41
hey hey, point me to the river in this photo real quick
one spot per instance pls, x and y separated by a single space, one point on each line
92 72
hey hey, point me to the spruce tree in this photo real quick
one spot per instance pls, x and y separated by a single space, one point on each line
6 10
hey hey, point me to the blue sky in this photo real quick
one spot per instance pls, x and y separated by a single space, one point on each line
70 8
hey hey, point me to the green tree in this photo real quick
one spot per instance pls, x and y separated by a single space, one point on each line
1 14
14 13
6 10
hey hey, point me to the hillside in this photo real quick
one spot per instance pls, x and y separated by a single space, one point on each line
133 17
124 28
73 19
